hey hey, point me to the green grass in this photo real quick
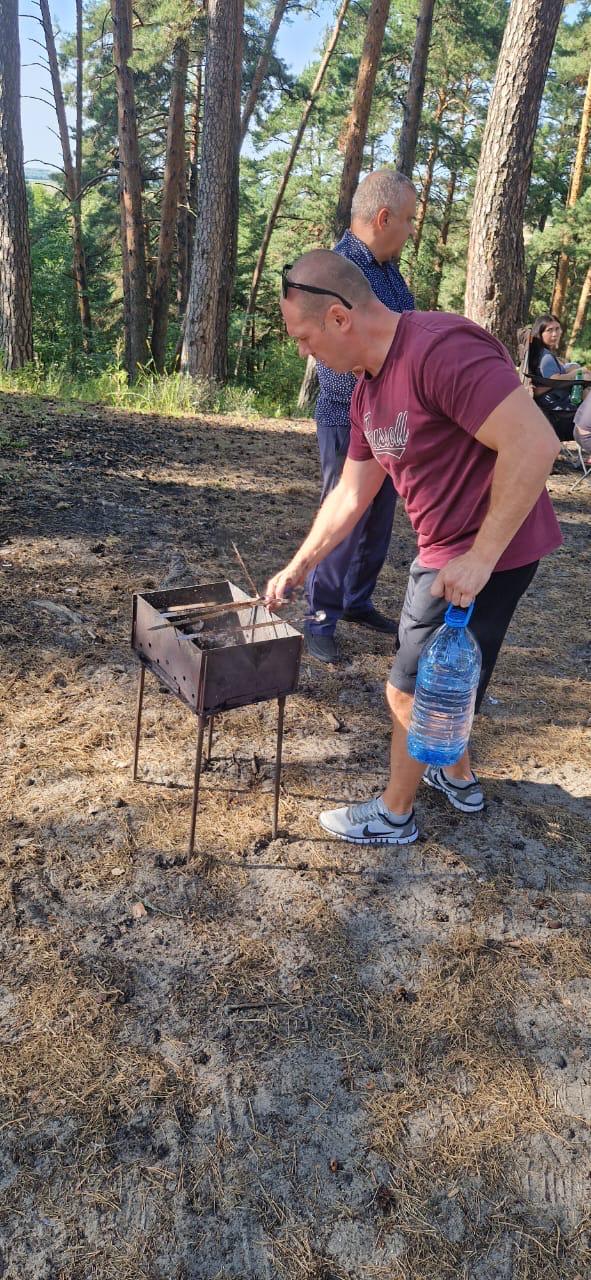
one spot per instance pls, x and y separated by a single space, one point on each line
269 389
172 394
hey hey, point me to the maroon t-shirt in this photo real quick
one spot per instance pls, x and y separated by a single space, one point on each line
441 378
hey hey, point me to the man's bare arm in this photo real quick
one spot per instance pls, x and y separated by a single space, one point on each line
339 513
526 447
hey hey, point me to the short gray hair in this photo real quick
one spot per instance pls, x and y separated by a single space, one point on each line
382 189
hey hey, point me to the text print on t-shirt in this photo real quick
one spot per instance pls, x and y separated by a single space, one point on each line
390 440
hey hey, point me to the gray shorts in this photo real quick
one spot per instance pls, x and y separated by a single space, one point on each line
423 613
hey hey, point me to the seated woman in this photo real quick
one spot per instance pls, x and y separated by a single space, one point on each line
543 362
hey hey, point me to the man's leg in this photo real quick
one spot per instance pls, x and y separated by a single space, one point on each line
345 579
389 819
369 550
493 610
405 772
324 585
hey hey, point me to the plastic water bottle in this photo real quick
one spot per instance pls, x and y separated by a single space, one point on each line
576 395
447 680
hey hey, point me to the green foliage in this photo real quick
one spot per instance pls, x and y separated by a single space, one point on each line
56 323
462 62
273 374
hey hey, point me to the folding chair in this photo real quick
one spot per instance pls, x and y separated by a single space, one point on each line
583 443
560 417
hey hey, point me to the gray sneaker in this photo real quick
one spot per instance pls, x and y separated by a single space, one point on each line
369 823
320 646
467 796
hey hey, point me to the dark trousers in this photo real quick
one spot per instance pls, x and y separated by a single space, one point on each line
346 578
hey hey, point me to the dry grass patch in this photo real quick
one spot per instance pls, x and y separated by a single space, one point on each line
466 1098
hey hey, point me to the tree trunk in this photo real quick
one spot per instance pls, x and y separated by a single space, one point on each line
182 243
271 220
79 89
356 128
428 179
450 192
205 345
194 158
16 319
442 242
173 182
575 189
188 199
424 197
130 186
262 67
581 313
407 143
310 386
496 258
72 182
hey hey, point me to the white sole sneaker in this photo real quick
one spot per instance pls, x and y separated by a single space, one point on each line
457 796
341 824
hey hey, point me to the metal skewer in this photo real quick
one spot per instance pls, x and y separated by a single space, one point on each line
194 612
251 584
233 631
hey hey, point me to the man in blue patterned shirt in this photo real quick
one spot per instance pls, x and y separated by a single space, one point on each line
341 586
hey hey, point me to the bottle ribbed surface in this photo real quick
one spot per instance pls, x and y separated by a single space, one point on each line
443 709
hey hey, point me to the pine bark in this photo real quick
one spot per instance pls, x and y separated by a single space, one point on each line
496 257
205 345
188 201
295 146
133 249
575 189
407 143
581 315
172 186
310 386
71 179
262 67
356 129
16 317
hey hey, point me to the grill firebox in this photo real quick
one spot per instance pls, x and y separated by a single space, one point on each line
214 660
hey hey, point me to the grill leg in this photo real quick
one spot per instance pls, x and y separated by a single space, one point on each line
198 755
138 720
209 741
278 753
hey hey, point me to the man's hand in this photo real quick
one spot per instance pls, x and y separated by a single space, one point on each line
280 588
461 579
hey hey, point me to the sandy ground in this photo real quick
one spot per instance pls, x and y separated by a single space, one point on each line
285 1058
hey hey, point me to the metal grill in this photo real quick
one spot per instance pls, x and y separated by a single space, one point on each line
215 648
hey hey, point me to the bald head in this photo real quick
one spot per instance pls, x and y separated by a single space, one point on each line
382 189
343 324
324 269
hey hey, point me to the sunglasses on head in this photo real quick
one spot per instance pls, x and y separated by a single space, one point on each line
286 284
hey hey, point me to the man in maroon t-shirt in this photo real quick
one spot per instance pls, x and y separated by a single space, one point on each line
439 407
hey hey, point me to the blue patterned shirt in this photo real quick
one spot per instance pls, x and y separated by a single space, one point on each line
336 389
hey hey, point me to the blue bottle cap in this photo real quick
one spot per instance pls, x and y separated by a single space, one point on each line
456 617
